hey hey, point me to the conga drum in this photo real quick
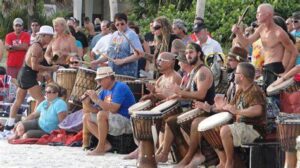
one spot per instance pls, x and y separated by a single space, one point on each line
85 80
66 79
185 120
290 85
288 130
168 108
211 126
140 106
143 123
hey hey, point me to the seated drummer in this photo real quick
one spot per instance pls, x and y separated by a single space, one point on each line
201 88
248 108
169 77
235 56
114 100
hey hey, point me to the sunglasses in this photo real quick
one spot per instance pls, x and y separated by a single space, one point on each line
49 92
295 21
157 27
74 62
120 24
161 59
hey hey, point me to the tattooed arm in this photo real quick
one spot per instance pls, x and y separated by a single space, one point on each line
203 80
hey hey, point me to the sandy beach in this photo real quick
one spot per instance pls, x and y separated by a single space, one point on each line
44 156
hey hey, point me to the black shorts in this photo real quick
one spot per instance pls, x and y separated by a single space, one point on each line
270 71
27 78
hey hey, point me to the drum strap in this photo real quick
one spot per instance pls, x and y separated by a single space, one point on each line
190 84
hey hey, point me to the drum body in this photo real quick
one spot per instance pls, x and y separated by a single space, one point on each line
223 85
142 123
66 79
124 78
85 80
288 130
138 88
168 108
211 126
140 106
185 120
288 86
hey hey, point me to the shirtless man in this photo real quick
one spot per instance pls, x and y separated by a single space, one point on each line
275 42
27 79
161 89
62 45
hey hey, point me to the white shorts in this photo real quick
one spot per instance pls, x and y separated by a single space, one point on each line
117 124
242 133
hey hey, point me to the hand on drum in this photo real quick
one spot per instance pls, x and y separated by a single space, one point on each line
93 95
231 109
220 101
54 68
203 106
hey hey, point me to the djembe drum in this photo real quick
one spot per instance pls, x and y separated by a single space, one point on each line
290 85
185 120
211 126
140 106
288 130
66 79
85 80
168 108
144 123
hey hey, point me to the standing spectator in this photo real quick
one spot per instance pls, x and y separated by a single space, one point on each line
289 24
97 23
179 28
296 32
125 58
35 27
1 50
149 37
77 43
78 34
89 26
16 44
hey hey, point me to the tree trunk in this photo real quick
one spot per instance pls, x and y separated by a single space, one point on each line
113 5
200 8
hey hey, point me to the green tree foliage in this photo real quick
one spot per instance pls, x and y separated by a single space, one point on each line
220 15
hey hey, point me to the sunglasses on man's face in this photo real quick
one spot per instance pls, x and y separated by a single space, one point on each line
295 21
120 24
157 27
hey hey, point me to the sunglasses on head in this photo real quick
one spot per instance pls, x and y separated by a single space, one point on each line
74 62
49 92
120 24
157 27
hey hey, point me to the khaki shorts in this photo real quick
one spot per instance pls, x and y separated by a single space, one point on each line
117 124
243 133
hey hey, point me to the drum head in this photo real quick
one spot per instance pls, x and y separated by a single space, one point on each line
214 121
67 70
88 70
139 106
166 105
271 90
189 114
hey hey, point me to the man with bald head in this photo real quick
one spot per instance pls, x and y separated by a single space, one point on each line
161 89
275 42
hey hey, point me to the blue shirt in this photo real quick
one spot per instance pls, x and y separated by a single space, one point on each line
119 48
119 94
48 120
78 44
296 35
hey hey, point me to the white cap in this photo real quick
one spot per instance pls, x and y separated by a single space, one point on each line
18 21
46 30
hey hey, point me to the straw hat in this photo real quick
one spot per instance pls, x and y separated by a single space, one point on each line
103 72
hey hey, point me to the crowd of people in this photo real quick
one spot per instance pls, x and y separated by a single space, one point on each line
188 68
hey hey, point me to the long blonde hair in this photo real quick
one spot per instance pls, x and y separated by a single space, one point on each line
165 33
63 22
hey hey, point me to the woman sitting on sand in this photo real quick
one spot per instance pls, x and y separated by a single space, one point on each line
46 117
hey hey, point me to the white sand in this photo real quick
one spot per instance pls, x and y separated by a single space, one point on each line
44 156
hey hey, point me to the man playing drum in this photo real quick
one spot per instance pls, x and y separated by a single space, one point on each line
27 78
62 45
275 42
248 108
201 88
162 88
112 118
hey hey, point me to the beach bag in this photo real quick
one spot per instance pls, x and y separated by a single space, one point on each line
289 102
73 122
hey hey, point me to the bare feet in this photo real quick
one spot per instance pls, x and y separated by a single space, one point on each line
99 151
186 160
132 155
161 157
197 160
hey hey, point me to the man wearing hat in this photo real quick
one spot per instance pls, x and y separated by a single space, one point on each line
16 44
27 78
113 118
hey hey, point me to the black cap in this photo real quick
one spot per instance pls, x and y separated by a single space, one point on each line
198 27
